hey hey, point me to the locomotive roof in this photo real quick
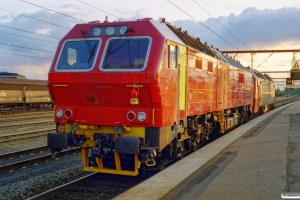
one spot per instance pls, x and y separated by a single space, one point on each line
165 30
192 42
258 74
22 81
268 77
234 63
197 44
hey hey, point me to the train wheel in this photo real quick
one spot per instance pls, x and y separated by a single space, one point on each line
215 133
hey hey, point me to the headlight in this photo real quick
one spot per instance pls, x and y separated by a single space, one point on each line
59 113
131 116
110 30
123 29
68 113
96 31
141 116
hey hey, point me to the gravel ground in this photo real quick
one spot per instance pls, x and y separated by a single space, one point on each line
32 180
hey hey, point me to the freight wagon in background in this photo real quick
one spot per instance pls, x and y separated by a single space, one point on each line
24 93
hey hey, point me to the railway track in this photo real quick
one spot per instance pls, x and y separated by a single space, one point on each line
98 186
9 114
92 186
5 125
284 101
25 117
20 111
30 161
104 188
24 126
26 134
23 152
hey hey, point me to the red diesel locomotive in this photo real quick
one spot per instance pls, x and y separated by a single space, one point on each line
139 94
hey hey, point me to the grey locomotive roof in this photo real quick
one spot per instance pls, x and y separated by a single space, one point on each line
165 30
258 74
234 63
197 44
182 37
192 42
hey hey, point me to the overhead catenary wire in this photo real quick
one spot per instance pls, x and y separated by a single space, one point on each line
203 25
30 32
99 9
264 60
35 19
28 37
221 24
25 55
52 10
26 47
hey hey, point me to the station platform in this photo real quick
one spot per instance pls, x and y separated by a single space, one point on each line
258 160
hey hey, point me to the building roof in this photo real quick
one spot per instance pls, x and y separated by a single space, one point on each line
22 81
11 75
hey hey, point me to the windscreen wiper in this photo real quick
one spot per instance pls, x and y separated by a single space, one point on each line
86 42
92 53
112 51
88 45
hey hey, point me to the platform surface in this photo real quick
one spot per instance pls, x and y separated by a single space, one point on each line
258 160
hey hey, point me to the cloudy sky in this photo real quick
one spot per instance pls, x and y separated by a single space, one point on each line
31 29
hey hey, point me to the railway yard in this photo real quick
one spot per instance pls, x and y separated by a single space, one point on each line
26 165
27 169
149 101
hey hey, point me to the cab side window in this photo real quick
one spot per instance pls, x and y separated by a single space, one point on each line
198 63
172 57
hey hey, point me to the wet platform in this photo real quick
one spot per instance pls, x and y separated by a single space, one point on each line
258 160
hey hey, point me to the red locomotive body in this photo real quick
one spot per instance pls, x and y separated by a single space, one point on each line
143 92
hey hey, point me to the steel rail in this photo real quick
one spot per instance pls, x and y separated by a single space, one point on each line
285 101
23 118
23 152
26 132
22 136
9 111
31 161
26 123
59 189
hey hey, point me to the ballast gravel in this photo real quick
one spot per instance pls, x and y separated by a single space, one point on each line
29 181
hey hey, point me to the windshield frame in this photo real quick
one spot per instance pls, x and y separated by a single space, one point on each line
78 70
126 70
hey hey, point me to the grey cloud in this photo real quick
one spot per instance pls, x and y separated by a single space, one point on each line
253 26
12 62
6 18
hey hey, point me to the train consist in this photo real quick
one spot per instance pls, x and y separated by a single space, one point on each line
135 95
23 93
